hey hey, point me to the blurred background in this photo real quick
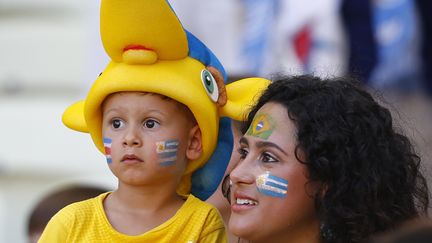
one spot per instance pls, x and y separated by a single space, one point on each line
50 54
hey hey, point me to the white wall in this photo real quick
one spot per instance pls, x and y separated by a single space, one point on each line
50 54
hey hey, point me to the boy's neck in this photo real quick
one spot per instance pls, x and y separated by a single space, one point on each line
135 211
147 199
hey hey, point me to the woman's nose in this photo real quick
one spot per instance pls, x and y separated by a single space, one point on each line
243 172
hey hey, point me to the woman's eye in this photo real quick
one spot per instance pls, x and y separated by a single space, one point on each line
268 158
117 123
243 153
150 123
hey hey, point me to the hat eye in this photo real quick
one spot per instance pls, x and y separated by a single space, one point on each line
210 85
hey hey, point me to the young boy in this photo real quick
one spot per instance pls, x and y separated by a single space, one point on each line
155 113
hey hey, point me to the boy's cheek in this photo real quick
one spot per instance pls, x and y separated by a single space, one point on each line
107 146
166 152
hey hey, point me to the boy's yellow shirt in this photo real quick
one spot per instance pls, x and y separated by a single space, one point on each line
86 221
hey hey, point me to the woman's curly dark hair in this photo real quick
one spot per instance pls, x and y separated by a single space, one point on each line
371 173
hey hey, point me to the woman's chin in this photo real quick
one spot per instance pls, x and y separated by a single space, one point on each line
241 228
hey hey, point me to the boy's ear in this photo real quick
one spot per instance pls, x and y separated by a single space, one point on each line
194 149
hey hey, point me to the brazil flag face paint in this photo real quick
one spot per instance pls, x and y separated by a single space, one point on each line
262 126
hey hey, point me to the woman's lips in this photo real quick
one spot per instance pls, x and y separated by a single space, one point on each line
242 202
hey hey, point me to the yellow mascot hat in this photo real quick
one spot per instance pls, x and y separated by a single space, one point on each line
150 51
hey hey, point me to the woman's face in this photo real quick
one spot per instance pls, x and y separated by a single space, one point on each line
270 196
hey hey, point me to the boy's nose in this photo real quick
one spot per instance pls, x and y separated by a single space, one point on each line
132 138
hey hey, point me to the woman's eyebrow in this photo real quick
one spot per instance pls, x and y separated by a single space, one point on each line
244 140
261 144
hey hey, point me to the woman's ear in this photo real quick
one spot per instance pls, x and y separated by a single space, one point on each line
323 190
316 189
194 148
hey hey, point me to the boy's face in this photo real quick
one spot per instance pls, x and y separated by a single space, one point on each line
147 138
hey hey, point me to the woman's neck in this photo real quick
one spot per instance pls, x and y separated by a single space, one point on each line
306 234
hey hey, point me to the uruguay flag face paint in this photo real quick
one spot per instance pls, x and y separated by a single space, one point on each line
271 185
107 146
167 152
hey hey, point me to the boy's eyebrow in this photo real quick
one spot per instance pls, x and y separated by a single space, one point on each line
110 110
157 111
116 109
261 144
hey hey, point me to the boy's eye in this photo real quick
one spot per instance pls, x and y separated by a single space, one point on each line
268 158
150 123
117 123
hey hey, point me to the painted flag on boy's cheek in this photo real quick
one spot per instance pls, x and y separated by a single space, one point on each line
167 152
107 146
271 185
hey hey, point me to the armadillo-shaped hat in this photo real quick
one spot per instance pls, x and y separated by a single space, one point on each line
150 51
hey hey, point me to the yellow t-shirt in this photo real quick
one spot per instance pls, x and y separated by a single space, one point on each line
86 221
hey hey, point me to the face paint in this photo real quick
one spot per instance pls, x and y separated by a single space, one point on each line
262 126
107 146
271 185
167 152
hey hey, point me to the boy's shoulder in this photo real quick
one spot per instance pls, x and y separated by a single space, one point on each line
82 208
205 217
197 209
194 202
75 216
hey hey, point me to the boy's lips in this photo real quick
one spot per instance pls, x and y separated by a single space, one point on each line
131 159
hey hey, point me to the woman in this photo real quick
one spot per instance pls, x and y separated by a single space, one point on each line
320 161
